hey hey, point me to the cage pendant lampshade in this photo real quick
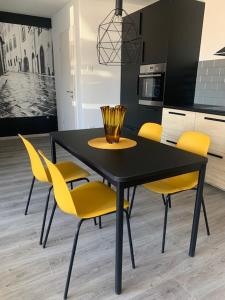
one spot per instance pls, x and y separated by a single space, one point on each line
118 40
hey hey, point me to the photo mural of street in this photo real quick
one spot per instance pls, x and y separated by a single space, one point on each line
27 83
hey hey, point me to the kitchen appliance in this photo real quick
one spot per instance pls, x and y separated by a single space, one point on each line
151 84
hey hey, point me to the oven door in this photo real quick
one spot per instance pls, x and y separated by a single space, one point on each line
151 88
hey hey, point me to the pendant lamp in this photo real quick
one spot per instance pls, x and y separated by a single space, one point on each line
118 41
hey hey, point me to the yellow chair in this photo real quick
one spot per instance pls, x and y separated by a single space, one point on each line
70 171
190 141
87 201
151 131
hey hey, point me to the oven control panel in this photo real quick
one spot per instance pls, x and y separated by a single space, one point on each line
153 68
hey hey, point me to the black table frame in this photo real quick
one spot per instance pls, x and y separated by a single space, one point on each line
120 186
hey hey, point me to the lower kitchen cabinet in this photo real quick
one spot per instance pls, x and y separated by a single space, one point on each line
214 126
149 114
175 121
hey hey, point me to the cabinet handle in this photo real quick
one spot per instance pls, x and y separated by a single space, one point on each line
176 113
214 119
215 155
143 52
171 142
140 23
138 82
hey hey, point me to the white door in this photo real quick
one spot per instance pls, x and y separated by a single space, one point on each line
67 78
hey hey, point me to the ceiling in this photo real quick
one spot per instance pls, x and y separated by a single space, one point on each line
47 8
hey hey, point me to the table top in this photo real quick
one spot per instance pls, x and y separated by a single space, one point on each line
148 161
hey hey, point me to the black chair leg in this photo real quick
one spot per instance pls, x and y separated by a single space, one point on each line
49 224
71 185
130 238
29 197
45 214
169 201
132 201
164 200
205 216
165 224
128 194
72 258
100 222
103 180
95 222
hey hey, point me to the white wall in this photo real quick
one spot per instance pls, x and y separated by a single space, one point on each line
96 85
213 37
60 23
100 85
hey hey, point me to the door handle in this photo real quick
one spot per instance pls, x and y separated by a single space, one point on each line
70 92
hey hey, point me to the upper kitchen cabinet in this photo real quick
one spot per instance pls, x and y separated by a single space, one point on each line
154 31
184 39
129 85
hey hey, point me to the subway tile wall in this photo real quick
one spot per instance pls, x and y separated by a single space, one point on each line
210 83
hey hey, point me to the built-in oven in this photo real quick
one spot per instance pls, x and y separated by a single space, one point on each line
151 84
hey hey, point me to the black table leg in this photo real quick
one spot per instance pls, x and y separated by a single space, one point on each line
53 150
119 239
197 210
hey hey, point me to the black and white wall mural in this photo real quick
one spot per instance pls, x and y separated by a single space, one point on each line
27 86
27 82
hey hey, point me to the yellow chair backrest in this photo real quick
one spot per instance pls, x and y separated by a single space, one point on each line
35 160
61 192
151 131
195 142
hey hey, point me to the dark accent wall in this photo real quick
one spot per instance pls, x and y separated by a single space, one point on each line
35 125
7 17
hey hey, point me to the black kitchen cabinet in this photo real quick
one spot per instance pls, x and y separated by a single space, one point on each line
148 114
186 21
129 95
171 32
154 32
129 86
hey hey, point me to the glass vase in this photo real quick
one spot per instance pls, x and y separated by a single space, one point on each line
113 118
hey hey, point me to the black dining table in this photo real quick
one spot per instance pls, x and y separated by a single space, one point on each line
146 162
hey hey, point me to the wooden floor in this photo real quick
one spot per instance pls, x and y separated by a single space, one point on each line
28 272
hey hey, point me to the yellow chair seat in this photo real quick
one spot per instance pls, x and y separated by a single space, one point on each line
94 199
174 184
70 171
